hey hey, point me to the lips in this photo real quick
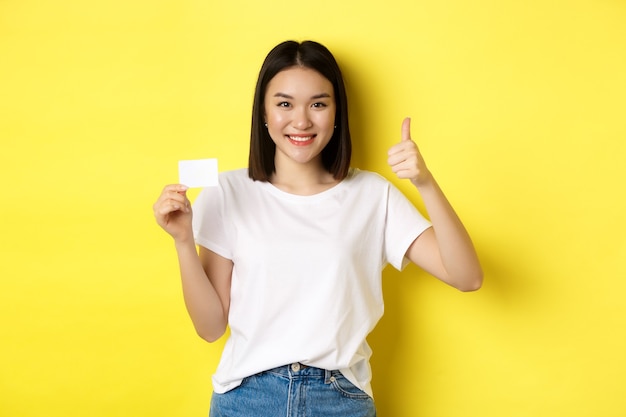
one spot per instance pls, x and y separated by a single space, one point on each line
301 140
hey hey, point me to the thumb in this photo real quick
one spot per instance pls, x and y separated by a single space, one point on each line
406 129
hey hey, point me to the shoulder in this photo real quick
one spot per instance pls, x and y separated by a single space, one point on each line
228 182
234 175
236 178
367 178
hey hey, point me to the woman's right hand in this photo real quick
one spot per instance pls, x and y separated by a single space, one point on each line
172 211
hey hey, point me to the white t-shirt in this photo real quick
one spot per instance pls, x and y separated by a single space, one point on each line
306 283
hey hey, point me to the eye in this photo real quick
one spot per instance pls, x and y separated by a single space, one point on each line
319 105
283 104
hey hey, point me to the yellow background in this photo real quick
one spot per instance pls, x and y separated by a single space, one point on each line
518 107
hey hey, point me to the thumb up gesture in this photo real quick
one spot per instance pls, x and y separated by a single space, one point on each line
405 159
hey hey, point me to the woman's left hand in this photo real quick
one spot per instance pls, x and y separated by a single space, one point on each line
406 160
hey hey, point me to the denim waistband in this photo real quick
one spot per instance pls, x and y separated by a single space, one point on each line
298 370
294 390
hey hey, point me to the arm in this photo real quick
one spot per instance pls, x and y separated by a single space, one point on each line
445 250
205 276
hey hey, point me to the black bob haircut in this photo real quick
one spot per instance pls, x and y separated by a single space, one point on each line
308 54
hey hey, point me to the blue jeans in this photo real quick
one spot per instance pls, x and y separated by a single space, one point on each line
294 391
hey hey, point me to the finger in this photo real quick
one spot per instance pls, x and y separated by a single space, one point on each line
396 158
410 162
170 206
171 197
402 151
406 129
175 187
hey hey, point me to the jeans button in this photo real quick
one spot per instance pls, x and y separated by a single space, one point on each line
295 367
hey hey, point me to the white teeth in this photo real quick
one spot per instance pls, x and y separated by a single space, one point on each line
300 138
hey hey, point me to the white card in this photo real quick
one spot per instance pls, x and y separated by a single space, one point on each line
198 173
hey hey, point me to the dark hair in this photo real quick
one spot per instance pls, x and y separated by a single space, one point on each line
309 54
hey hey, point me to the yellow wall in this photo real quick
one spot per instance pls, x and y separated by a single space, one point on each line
518 107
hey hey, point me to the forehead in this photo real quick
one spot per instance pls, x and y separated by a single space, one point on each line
299 80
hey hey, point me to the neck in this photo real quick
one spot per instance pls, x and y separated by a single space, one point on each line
302 179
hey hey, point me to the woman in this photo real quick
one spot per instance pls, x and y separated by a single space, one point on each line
292 248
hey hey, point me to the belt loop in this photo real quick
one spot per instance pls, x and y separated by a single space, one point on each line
327 376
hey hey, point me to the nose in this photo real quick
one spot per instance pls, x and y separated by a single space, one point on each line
301 119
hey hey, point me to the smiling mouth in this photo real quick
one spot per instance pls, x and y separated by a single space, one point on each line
300 140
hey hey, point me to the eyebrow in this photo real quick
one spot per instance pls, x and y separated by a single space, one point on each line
321 95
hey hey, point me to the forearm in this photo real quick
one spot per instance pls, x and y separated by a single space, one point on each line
201 299
458 256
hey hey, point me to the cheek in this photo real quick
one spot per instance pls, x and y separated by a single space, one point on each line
325 119
275 124
275 118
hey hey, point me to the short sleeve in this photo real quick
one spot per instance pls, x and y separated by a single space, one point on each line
209 222
404 223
